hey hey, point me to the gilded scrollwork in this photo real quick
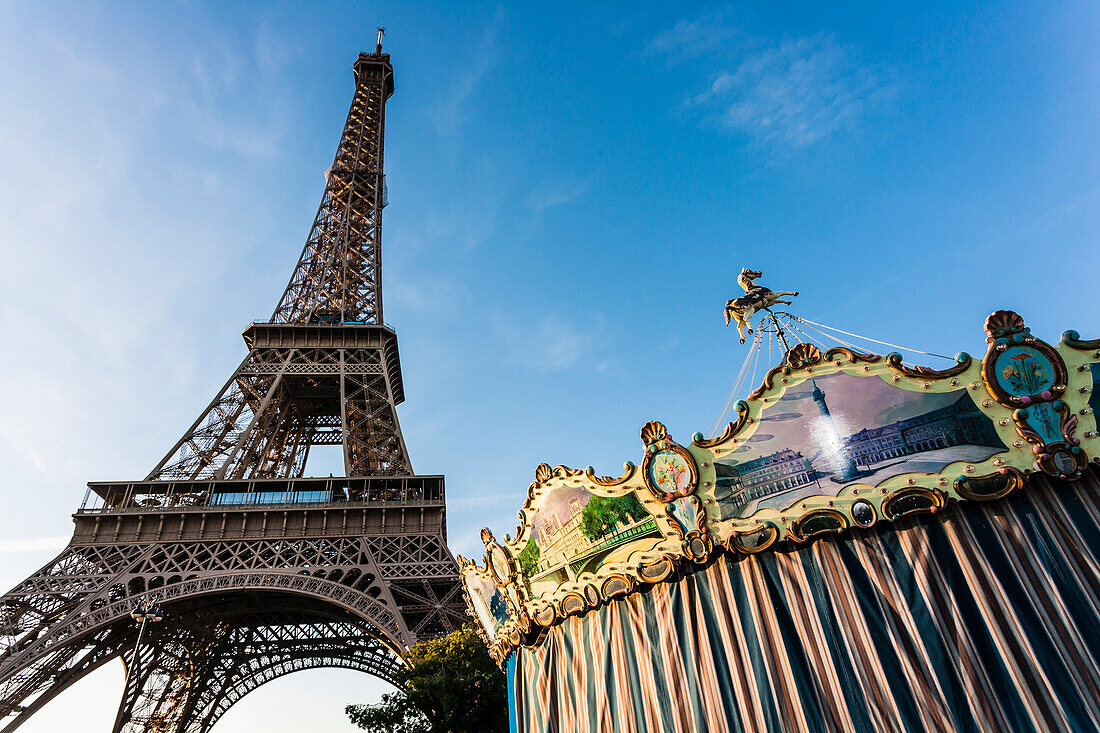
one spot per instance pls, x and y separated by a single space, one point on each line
755 540
803 355
668 469
818 523
855 357
992 486
628 473
917 500
1019 369
768 382
742 409
1073 340
962 364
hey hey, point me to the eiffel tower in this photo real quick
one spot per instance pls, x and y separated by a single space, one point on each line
259 571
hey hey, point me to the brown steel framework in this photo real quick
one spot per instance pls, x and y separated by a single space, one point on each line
259 571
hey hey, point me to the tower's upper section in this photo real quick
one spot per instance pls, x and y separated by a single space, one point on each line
338 278
818 394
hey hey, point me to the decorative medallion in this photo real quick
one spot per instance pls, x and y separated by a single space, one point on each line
499 564
484 599
668 469
1024 372
863 513
670 474
1020 369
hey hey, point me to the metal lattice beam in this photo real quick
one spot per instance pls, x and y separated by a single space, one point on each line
339 274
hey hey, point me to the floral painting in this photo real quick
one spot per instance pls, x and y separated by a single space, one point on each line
683 512
1024 371
670 472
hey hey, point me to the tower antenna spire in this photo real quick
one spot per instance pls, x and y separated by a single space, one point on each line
378 48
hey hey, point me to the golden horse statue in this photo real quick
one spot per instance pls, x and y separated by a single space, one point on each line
756 298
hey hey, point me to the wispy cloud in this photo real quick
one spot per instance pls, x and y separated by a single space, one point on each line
557 194
449 114
33 544
220 73
791 92
709 34
479 503
551 345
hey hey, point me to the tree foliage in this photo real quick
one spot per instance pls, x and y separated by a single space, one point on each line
451 686
529 558
395 714
603 513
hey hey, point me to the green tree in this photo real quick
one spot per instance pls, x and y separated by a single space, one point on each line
604 513
451 686
395 714
529 558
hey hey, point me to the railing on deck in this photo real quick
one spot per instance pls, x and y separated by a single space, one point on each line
142 496
334 320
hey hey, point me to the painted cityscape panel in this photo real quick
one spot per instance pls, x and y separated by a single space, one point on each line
574 531
836 430
489 604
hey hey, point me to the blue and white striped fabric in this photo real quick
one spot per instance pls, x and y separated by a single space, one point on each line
981 618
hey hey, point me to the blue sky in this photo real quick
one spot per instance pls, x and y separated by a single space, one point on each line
573 190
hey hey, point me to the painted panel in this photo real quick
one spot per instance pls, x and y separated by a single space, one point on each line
836 430
573 530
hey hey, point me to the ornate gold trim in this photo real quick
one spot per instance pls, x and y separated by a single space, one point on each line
1006 330
657 442
742 409
935 501
963 361
987 488
856 357
798 535
737 545
802 355
1073 340
628 472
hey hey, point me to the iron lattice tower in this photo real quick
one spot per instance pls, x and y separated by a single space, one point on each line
260 572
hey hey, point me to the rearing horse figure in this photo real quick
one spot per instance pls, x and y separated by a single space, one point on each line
756 297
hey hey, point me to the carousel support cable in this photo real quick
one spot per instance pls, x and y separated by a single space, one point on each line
794 330
816 337
757 351
868 338
748 371
799 334
733 391
750 375
769 351
833 338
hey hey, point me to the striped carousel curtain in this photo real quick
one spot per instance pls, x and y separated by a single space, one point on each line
983 618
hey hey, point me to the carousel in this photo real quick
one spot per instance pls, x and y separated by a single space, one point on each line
861 543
